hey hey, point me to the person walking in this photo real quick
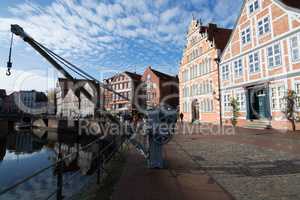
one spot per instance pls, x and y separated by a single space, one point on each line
181 117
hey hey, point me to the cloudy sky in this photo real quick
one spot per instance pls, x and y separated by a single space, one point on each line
102 36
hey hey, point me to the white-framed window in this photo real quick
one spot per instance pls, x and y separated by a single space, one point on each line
277 97
210 86
238 68
241 100
186 107
297 90
226 102
246 35
253 6
295 48
254 62
185 75
263 26
225 72
186 92
199 70
206 105
274 55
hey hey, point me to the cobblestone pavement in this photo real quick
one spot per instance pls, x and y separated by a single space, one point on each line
249 165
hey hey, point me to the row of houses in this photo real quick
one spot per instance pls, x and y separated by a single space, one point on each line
133 92
149 90
31 102
256 63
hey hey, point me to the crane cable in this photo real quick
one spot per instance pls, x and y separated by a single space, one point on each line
77 70
66 63
9 63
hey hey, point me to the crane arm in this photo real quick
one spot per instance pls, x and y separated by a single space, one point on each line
19 31
46 53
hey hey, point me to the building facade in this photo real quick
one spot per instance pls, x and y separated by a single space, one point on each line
30 102
76 99
198 72
124 83
2 99
159 89
261 61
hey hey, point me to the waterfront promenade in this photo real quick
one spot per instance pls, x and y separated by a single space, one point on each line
249 165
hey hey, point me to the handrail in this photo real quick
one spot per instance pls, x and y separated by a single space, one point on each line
18 183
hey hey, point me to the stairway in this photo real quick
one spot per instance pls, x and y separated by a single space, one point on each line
258 124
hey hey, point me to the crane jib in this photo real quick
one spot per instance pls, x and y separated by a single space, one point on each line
56 60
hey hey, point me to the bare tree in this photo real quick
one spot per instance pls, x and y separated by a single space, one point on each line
290 108
235 111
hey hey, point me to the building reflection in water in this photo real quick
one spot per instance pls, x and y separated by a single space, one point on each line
77 157
27 143
2 147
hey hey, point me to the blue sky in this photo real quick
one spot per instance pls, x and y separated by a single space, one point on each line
102 37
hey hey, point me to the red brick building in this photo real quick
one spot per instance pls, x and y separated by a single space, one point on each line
261 62
160 89
198 72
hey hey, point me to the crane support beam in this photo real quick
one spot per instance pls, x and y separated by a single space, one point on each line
19 31
47 53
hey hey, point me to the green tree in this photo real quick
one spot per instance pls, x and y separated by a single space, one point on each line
235 111
290 108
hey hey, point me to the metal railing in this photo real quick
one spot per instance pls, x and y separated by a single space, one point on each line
104 153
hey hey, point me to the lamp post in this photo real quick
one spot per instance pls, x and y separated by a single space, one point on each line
217 60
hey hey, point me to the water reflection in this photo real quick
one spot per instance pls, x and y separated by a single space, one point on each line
22 153
2 148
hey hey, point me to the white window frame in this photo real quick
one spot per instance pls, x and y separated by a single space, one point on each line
274 56
225 74
263 25
298 94
255 63
278 97
226 97
295 48
238 68
241 100
253 3
246 36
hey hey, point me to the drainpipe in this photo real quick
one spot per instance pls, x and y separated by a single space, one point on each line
217 60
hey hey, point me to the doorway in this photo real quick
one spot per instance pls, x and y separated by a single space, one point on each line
195 110
258 103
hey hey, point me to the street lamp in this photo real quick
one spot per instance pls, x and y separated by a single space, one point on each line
217 60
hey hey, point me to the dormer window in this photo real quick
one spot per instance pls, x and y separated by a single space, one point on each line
253 6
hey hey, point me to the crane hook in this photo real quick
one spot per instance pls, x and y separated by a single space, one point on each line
8 72
9 63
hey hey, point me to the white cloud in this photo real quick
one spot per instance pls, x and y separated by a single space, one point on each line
167 15
88 29
35 79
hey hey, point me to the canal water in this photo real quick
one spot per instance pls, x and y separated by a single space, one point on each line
23 153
